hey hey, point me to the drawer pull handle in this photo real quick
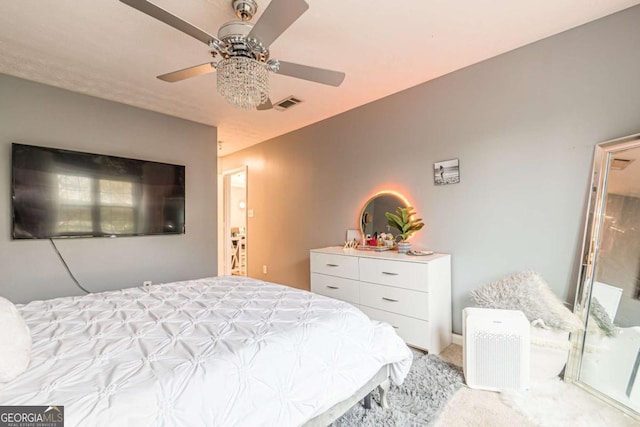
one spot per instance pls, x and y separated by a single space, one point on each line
389 274
332 287
389 299
395 327
333 265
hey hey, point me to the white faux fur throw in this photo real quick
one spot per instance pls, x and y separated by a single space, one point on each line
528 292
15 342
554 403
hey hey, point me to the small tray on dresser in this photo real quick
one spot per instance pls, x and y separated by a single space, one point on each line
374 248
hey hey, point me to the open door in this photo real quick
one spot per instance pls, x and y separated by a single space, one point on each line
234 184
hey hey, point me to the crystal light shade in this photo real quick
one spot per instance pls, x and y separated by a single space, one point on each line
243 82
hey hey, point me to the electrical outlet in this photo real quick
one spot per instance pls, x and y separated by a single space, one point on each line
264 269
146 283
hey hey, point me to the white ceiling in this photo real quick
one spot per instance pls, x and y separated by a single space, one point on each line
107 49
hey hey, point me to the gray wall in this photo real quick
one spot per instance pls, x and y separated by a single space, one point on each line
32 113
523 125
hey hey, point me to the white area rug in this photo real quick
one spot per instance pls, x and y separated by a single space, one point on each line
554 403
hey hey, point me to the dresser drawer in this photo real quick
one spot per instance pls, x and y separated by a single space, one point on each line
334 265
409 275
413 331
335 287
396 300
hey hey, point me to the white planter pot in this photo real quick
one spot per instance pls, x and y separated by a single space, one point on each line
403 247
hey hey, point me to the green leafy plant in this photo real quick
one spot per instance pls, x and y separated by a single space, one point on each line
403 220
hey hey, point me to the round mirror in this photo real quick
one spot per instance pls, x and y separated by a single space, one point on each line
372 219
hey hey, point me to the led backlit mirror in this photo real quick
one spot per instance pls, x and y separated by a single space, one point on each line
372 219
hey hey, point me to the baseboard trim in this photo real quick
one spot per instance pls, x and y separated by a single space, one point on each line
456 339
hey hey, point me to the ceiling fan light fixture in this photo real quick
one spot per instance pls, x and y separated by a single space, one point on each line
243 82
243 71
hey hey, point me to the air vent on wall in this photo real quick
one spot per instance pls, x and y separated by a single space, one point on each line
286 103
620 164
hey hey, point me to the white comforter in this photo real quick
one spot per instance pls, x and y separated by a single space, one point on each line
221 351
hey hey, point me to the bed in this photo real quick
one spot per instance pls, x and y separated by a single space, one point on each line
222 351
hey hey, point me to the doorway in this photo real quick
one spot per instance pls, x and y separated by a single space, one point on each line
234 184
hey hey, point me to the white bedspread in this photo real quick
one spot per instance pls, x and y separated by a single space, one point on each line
223 351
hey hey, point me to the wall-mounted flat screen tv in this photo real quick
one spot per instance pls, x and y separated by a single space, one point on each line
61 193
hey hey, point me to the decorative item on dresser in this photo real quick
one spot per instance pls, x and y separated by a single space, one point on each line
413 294
406 223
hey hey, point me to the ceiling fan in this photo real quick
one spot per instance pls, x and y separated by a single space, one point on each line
243 49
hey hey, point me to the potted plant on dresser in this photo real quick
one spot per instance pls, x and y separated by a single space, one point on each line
405 222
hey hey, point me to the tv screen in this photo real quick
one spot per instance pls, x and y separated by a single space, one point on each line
62 193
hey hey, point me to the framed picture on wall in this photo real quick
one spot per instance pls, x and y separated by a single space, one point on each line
446 172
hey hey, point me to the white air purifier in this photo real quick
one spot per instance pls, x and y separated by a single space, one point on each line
496 353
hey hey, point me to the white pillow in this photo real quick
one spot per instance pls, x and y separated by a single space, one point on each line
15 342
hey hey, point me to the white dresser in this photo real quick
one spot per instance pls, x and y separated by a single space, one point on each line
412 293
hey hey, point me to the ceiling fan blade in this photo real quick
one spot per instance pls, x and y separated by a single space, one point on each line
170 19
276 18
314 74
186 73
266 106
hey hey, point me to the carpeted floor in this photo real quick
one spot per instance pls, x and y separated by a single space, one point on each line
434 395
417 402
476 408
557 406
